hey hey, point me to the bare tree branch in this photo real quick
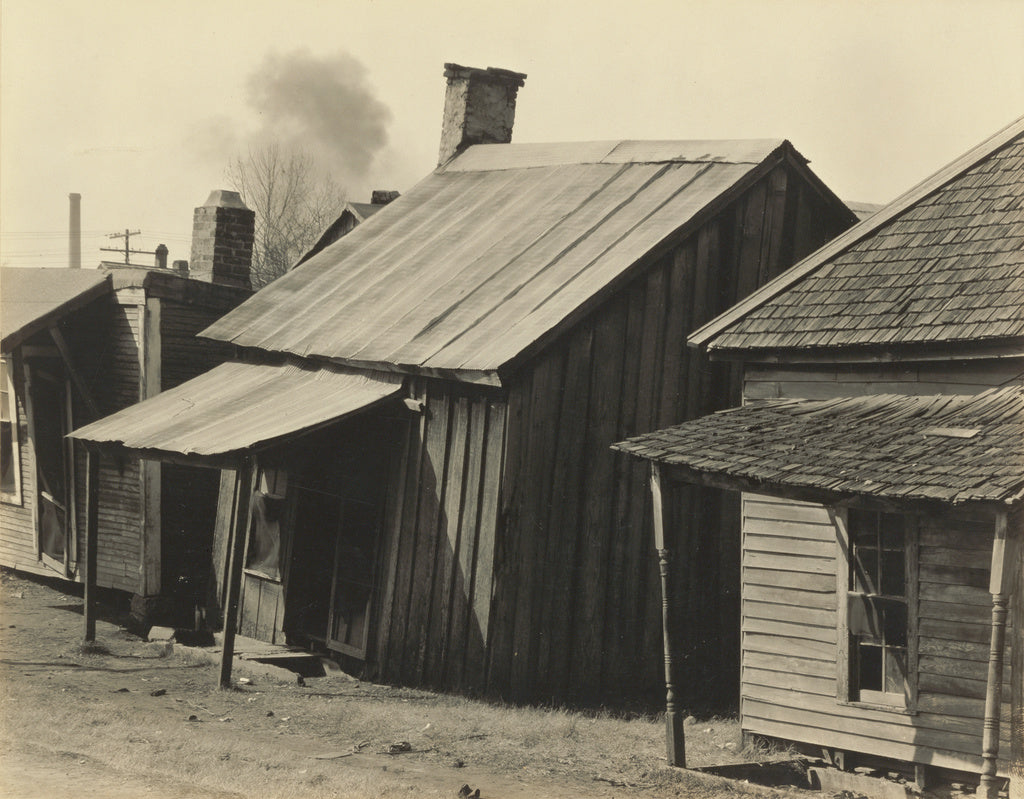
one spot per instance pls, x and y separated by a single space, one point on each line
294 203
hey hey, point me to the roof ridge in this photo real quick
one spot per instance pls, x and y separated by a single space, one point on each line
857 233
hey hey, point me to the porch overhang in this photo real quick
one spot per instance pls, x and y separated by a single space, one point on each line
889 448
236 409
34 299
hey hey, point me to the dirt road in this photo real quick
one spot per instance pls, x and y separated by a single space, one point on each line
128 718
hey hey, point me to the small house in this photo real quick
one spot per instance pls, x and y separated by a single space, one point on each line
880 452
80 344
420 422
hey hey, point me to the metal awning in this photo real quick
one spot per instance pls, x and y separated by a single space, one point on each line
237 408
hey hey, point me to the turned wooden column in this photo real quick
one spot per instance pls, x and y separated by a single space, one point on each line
674 736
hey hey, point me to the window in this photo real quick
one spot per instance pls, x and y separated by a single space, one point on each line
10 454
879 608
264 553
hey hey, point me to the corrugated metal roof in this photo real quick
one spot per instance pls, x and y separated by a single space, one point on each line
31 299
240 406
949 448
943 263
490 253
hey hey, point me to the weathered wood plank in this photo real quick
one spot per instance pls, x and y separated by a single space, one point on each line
785 596
789 680
817 617
505 563
790 664
532 591
432 481
563 522
789 562
774 644
791 630
598 505
467 542
483 570
447 543
797 581
394 665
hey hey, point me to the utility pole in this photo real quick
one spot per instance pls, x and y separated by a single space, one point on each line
127 235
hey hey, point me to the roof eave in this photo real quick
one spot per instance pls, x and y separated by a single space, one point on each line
80 300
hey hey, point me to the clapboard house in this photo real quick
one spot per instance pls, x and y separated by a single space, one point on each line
81 344
423 412
880 449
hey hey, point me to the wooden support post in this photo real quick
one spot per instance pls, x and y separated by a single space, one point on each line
236 551
92 496
674 736
1000 584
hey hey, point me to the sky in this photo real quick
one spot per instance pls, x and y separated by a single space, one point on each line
141 107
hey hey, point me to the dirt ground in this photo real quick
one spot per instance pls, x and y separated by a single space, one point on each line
127 718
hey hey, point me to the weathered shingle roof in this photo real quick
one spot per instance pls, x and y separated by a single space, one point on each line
944 263
31 299
952 449
490 253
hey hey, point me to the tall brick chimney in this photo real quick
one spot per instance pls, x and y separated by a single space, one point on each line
479 108
222 239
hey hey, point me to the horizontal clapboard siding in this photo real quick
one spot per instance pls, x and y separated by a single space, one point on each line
789 672
17 532
822 381
185 356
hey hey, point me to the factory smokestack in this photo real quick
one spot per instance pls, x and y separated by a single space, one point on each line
75 231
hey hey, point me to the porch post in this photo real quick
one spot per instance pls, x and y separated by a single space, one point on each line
674 737
92 495
236 551
1000 586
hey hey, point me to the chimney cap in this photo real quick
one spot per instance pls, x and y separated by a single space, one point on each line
496 74
224 198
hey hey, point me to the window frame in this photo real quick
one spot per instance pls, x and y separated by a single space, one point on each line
14 497
845 654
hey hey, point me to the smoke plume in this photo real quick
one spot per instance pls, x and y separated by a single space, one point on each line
322 106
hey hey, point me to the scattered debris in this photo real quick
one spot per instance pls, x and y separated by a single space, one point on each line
397 748
158 692
458 763
121 691
244 681
226 718
333 755
269 713
465 792
160 634
193 717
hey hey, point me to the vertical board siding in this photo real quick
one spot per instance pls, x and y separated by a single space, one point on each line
437 552
789 627
577 610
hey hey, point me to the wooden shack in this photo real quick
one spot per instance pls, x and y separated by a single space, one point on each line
880 451
81 344
503 322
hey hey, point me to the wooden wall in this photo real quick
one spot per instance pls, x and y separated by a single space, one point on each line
437 547
789 679
17 522
789 606
577 610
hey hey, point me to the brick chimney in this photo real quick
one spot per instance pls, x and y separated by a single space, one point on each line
479 108
223 231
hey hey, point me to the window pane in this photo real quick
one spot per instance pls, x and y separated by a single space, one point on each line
870 667
892 530
866 571
895 670
894 579
5 401
862 526
894 622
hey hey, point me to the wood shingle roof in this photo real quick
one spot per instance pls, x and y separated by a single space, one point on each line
953 449
942 264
